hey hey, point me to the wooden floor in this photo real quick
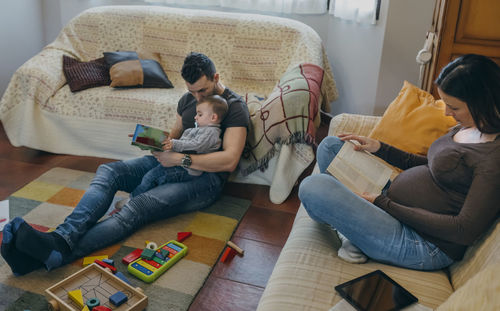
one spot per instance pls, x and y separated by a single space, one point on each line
236 285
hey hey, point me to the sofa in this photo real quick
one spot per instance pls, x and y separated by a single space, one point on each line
252 53
308 267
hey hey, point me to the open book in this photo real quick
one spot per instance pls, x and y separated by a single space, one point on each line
148 138
360 171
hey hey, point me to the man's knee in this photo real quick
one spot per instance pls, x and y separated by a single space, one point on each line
328 142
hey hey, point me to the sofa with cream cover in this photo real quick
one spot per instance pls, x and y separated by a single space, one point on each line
251 52
308 267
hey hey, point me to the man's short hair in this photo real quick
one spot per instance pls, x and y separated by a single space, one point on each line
218 104
197 65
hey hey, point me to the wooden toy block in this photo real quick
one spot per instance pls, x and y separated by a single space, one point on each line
92 303
118 298
181 236
108 261
148 254
235 247
122 277
77 297
132 256
105 265
86 308
88 260
228 254
99 283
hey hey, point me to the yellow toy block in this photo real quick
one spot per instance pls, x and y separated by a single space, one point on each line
85 308
77 297
89 260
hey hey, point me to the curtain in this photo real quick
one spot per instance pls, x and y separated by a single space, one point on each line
359 11
276 6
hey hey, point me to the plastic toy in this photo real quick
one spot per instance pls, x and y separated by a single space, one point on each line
88 260
181 236
118 298
149 270
76 296
105 265
132 256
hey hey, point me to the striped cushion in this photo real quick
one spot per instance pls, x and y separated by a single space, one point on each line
308 269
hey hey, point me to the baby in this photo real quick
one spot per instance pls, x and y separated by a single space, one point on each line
203 138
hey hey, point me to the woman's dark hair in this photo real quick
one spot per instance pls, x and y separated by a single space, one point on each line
475 80
197 65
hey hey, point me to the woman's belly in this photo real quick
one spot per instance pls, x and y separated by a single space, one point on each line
416 187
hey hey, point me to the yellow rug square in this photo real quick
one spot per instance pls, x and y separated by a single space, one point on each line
212 226
203 250
67 197
38 191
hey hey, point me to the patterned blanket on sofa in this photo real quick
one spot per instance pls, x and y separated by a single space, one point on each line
289 115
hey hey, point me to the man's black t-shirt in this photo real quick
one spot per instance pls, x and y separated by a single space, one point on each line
237 114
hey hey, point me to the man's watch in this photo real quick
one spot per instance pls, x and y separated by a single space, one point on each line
186 161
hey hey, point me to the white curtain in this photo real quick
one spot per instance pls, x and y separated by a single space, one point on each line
276 6
359 11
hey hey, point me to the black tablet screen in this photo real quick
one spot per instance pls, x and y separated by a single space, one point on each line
375 291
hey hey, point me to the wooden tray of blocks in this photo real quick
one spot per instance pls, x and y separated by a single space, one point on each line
95 282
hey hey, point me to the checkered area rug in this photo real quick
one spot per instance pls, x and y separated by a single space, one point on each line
47 200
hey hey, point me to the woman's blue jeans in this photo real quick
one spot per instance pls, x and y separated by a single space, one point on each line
85 234
379 235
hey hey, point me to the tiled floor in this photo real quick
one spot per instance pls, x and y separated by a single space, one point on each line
236 285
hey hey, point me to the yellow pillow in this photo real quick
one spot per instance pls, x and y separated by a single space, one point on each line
481 292
413 121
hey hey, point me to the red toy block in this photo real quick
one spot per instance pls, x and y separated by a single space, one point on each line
105 265
132 256
181 236
101 308
229 254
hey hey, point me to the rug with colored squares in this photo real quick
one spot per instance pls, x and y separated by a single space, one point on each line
47 200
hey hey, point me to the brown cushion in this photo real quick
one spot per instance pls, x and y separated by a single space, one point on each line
127 74
83 75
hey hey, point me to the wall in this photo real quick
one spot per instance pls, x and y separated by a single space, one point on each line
369 62
21 36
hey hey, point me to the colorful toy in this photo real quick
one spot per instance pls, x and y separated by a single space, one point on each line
86 308
228 254
92 303
95 282
105 265
77 297
151 245
148 253
118 298
149 270
110 262
235 247
132 256
181 236
88 260
122 277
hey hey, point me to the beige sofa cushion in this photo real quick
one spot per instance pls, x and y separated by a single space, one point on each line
485 252
481 292
308 269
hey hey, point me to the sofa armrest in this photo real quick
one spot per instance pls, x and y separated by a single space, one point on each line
35 81
352 123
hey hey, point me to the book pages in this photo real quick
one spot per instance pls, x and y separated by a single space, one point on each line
359 171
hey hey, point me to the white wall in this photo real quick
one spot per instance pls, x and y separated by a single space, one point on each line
369 62
21 36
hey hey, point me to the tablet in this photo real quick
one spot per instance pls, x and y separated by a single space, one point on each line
375 291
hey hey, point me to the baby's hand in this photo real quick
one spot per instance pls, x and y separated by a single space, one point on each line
167 144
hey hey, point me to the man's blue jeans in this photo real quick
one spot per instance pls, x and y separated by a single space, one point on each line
85 234
379 235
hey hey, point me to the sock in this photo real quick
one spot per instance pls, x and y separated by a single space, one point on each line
48 247
349 252
19 262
